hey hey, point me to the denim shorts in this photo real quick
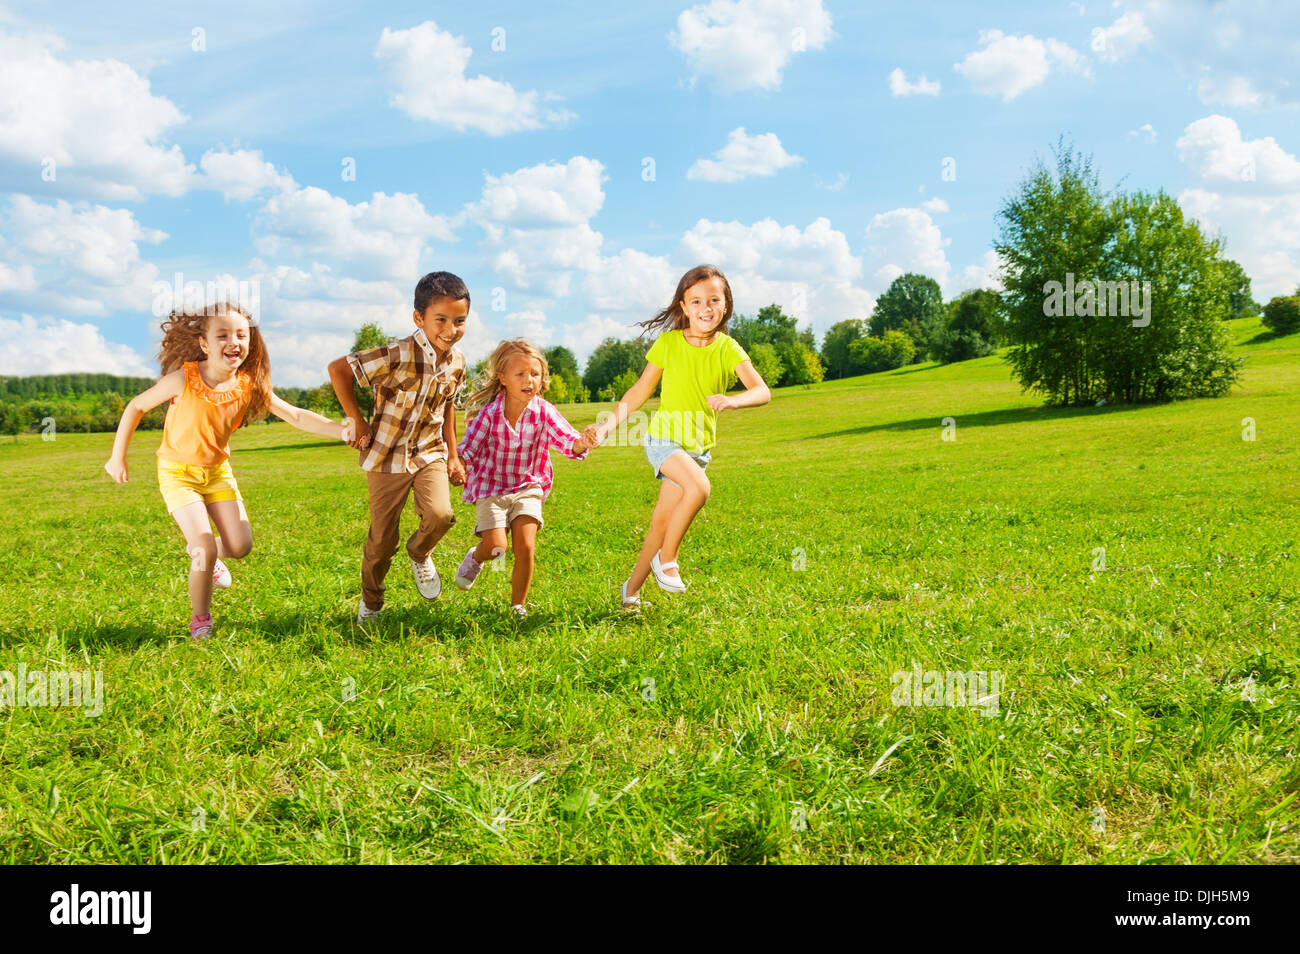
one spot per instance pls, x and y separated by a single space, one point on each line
658 450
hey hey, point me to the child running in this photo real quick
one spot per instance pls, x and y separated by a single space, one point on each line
698 362
506 450
216 373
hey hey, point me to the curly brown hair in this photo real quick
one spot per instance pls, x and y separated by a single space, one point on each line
673 317
184 330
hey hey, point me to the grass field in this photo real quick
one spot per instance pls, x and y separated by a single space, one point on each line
1148 710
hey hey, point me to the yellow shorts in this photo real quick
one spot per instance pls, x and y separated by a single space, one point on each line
182 484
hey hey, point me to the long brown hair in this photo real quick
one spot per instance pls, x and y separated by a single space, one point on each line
489 383
184 329
673 317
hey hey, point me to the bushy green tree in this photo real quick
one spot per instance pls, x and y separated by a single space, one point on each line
975 326
611 359
1164 291
891 350
1282 314
837 356
913 304
1240 302
766 363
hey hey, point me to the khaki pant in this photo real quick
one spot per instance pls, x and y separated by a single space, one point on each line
388 493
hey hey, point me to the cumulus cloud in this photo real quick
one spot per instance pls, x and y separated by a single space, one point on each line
906 240
743 157
77 258
94 124
382 237
1248 191
747 44
426 68
243 174
935 204
47 345
1122 38
1008 65
899 86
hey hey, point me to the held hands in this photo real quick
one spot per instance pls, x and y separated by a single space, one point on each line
356 433
116 469
720 402
456 471
591 436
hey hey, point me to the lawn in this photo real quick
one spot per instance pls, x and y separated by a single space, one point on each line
1148 709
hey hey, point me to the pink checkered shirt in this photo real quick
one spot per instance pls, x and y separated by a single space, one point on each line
501 460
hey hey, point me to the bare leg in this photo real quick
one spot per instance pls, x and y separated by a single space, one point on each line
236 538
202 548
523 533
682 470
670 495
492 545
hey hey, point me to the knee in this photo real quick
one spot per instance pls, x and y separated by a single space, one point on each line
698 492
242 548
203 553
524 548
440 519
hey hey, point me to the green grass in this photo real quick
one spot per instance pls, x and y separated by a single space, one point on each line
476 738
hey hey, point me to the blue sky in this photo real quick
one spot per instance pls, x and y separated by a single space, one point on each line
801 145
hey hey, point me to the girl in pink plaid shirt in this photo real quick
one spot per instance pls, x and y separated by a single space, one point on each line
506 451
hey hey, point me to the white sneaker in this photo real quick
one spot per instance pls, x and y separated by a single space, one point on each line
518 610
220 576
427 580
365 613
669 584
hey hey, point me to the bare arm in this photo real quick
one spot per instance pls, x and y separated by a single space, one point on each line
341 379
168 387
308 421
455 469
636 395
756 392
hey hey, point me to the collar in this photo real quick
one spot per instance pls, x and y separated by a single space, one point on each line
431 353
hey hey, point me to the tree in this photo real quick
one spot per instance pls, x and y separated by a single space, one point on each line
612 358
914 304
12 420
1282 314
836 354
557 392
1082 274
369 335
563 367
975 326
799 363
619 386
891 350
560 359
1240 303
766 363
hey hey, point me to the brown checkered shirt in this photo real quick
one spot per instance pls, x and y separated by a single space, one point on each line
412 389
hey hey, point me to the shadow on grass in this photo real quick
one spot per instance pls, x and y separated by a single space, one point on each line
1266 336
1016 415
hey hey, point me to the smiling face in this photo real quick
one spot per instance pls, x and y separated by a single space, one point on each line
705 305
443 322
225 341
522 378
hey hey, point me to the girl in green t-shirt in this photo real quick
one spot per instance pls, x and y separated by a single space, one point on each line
698 361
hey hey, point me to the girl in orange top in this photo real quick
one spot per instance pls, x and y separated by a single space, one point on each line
217 376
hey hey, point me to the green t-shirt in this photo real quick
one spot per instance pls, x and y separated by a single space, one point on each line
691 374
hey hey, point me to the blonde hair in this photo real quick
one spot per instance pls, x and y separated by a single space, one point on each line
489 383
185 328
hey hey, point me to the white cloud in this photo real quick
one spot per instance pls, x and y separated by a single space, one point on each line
426 67
96 120
1122 38
55 346
1248 191
742 157
1146 132
1228 91
243 174
906 240
384 236
987 274
746 44
935 204
899 86
1008 65
839 182
76 258
582 337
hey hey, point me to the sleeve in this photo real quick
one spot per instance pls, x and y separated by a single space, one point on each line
373 366
735 353
472 443
658 353
560 434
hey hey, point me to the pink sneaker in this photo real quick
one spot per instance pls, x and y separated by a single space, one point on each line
468 570
200 627
220 576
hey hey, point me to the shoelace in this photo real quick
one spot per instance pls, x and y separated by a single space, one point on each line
423 572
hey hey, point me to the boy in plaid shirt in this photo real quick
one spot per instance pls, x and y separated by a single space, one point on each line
410 444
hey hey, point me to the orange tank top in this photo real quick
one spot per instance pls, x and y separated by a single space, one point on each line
200 421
